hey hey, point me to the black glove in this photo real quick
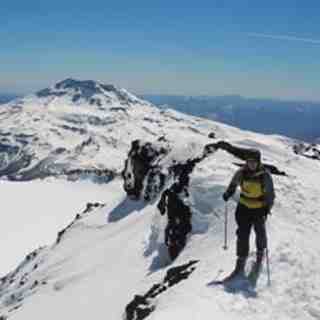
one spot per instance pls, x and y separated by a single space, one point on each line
226 196
267 212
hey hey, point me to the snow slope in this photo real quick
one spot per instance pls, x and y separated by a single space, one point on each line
33 213
100 262
110 253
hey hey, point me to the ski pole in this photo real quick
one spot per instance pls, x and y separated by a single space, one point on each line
268 263
225 247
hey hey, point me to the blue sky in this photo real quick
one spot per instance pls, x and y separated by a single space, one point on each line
253 48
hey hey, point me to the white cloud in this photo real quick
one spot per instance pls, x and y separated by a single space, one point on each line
283 37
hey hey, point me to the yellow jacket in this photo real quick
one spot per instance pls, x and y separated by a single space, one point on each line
257 189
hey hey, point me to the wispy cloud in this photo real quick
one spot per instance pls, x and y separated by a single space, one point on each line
283 37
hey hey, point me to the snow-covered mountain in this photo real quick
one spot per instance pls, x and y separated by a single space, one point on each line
75 128
110 262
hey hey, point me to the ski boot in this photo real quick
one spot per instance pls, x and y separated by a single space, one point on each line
256 268
238 272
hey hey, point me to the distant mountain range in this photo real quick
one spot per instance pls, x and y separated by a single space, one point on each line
294 119
298 120
6 97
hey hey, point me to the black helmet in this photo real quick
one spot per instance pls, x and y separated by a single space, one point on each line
254 154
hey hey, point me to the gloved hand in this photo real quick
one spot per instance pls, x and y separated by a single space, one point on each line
226 196
267 212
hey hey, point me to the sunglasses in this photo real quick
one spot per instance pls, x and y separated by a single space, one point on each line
253 161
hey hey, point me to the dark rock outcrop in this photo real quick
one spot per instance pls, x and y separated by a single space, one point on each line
311 151
97 175
89 208
141 166
17 285
212 135
13 158
143 305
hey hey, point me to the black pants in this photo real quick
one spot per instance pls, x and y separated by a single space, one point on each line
247 218
176 236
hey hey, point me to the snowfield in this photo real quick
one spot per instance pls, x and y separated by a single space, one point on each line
113 252
34 212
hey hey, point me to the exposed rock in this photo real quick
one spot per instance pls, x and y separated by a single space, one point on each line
92 206
141 161
89 208
311 151
87 90
212 135
97 175
15 286
13 158
143 305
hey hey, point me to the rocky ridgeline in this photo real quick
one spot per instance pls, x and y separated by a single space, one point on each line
15 164
89 208
311 151
143 175
19 284
150 168
25 280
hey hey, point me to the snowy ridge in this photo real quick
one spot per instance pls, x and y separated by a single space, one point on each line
72 91
110 254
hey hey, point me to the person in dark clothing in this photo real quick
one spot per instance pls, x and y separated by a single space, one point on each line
256 200
179 220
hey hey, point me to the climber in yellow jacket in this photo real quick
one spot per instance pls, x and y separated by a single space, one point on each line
256 200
